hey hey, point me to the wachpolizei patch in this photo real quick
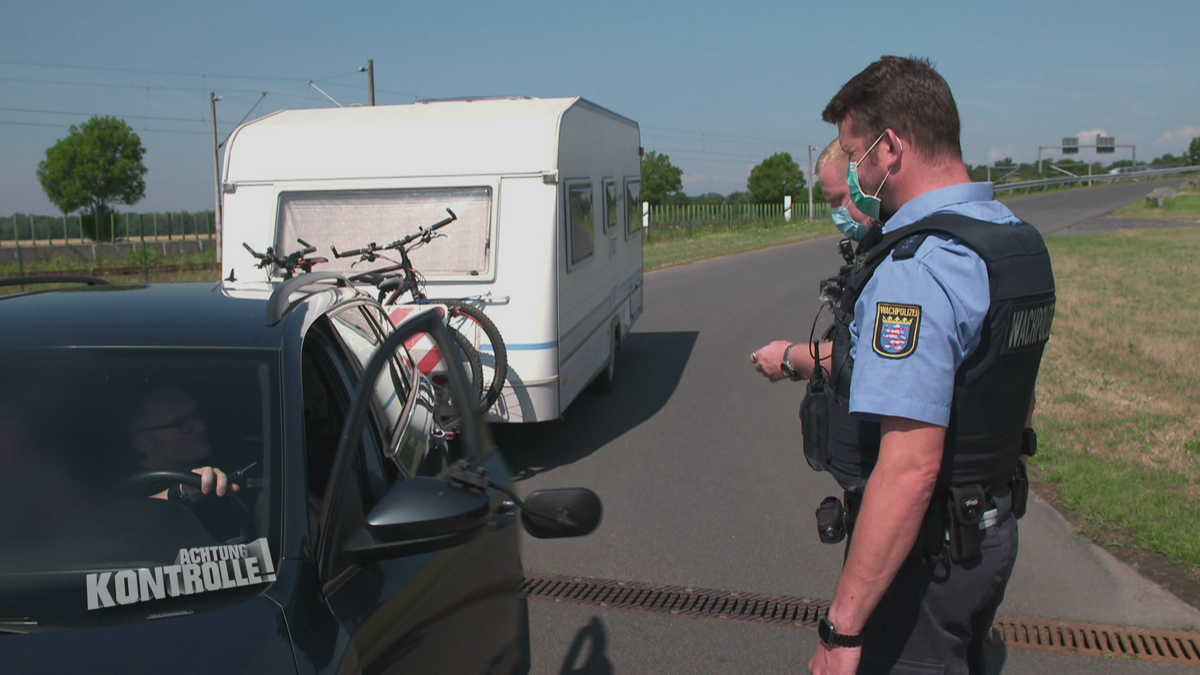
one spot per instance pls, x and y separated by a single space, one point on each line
196 570
896 329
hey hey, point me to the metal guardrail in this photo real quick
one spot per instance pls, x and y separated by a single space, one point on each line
1098 178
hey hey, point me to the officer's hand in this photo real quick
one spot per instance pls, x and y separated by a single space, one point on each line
836 661
767 359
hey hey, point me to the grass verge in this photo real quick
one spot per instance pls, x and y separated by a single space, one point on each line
1183 206
1119 394
670 247
82 264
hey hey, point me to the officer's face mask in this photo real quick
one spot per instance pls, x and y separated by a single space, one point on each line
868 204
847 225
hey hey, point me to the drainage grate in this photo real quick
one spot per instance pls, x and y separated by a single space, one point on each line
676 600
1148 644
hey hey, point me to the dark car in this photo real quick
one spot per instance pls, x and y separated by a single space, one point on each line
360 537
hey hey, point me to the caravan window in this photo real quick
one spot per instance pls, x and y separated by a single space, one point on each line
633 206
580 228
354 218
611 204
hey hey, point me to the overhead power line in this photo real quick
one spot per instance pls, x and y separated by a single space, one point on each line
138 117
298 80
153 72
68 126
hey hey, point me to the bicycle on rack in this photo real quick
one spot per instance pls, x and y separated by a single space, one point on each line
466 320
448 415
290 262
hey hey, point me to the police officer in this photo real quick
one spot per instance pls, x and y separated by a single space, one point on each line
947 312
780 359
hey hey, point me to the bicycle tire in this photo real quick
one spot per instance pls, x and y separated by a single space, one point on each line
483 324
448 414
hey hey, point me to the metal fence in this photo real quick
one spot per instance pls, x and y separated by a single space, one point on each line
29 230
1099 178
685 215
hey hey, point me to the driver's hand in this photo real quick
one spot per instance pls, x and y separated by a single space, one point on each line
212 480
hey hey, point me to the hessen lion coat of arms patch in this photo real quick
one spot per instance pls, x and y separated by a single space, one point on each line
896 329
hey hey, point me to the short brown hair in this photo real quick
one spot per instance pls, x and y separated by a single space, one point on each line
903 94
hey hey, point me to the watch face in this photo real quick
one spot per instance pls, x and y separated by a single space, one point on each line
825 630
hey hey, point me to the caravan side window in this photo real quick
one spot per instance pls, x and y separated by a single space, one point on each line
612 207
633 206
581 231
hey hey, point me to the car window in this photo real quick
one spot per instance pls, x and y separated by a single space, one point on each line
329 379
84 536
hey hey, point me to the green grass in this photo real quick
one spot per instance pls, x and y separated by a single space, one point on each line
81 263
668 248
1119 389
1184 206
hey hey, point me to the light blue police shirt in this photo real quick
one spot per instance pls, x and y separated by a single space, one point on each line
918 319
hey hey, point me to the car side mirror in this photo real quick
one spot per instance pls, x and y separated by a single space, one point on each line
561 513
418 515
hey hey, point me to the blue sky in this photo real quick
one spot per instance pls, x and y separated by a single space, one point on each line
718 86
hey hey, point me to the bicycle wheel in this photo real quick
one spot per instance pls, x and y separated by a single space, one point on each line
449 412
479 330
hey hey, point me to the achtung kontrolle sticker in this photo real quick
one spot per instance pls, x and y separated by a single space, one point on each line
896 329
196 570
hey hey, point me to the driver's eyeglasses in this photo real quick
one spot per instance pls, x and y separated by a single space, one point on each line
187 425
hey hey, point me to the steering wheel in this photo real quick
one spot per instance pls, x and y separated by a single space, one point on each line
148 480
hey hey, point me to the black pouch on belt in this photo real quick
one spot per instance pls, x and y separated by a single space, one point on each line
1020 490
814 422
831 521
967 504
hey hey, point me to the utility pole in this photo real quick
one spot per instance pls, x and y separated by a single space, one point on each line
811 181
212 102
371 81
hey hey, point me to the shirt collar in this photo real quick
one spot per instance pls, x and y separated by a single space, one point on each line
940 199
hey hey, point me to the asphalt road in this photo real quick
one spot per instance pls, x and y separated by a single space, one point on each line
697 460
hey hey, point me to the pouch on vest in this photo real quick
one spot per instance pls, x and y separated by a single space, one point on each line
814 422
1020 490
967 504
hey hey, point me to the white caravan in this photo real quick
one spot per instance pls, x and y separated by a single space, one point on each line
549 232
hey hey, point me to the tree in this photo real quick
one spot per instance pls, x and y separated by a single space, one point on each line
1193 154
776 176
660 177
98 164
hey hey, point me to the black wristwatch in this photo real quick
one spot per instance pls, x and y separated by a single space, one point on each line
786 366
831 638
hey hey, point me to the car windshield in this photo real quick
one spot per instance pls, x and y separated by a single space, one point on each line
98 521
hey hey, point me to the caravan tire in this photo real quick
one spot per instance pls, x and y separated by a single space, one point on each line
605 381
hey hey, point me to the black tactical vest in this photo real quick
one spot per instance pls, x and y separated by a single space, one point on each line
994 385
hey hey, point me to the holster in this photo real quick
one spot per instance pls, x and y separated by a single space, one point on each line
814 422
1020 490
966 505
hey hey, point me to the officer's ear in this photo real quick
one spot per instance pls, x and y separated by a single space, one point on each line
891 150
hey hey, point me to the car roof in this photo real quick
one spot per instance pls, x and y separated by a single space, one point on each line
151 315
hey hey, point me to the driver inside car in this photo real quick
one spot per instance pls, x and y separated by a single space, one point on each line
167 433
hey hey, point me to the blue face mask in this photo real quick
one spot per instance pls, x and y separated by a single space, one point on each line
847 225
868 204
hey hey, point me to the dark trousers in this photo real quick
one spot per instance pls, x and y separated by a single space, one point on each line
935 616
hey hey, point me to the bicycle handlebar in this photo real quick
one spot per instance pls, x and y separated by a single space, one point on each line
368 252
